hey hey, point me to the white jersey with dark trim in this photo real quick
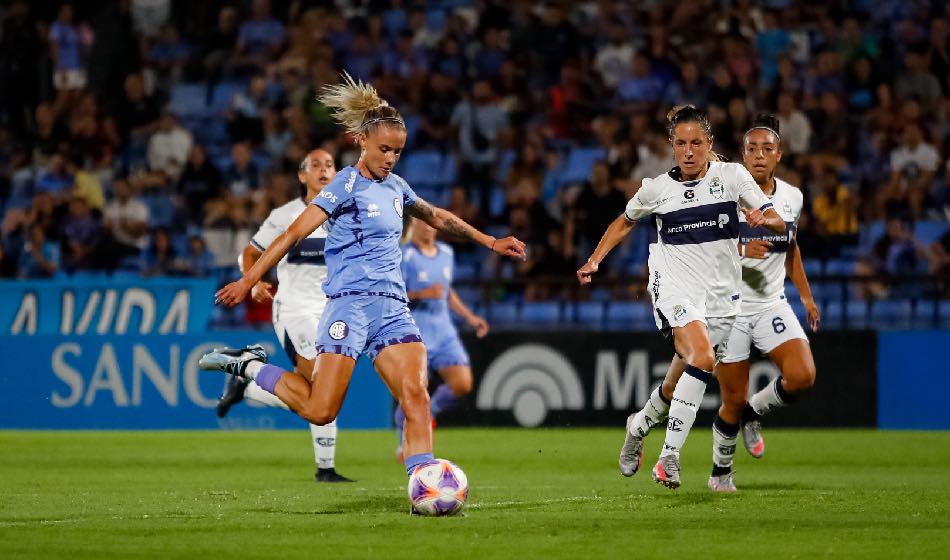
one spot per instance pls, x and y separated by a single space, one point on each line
763 281
302 271
695 255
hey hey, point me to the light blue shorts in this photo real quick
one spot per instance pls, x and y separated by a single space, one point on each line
365 323
446 351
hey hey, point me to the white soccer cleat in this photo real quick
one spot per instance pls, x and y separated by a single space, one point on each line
631 454
667 471
752 438
722 483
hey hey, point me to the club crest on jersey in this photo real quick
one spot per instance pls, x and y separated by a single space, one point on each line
678 312
447 272
372 211
397 204
786 207
716 187
338 330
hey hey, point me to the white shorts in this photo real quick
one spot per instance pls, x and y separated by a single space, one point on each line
297 332
768 330
69 79
670 313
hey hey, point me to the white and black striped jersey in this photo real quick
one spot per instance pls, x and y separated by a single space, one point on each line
698 230
763 281
302 271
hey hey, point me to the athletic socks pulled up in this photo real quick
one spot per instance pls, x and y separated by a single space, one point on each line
324 444
653 413
725 436
686 399
769 398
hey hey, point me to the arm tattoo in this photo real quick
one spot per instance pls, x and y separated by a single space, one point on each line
422 210
458 228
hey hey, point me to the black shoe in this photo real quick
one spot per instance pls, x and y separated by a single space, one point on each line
233 394
330 475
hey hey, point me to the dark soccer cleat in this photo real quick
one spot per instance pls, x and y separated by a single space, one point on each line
330 475
232 360
233 393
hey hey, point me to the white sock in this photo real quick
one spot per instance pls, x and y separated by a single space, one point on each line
324 444
686 398
253 368
254 392
769 398
724 443
651 415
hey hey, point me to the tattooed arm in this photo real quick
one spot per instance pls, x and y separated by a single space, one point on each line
443 220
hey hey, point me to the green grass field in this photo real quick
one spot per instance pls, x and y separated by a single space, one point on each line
535 493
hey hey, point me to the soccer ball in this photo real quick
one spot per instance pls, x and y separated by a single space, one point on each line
438 487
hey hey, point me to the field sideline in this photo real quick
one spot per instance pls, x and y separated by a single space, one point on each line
535 493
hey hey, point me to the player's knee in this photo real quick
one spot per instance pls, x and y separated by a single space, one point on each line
703 359
800 379
461 386
318 415
733 399
414 400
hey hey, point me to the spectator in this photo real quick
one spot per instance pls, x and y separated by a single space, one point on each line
596 205
199 183
479 122
137 114
169 147
56 178
913 164
795 127
939 256
67 42
168 56
219 46
835 211
40 256
261 36
917 82
242 177
654 157
199 262
642 87
126 218
159 258
690 88
614 59
895 254
82 235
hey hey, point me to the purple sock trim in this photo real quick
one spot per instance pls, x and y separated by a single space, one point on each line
416 460
268 376
399 418
442 400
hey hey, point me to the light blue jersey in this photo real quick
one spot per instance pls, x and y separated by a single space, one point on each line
432 315
362 249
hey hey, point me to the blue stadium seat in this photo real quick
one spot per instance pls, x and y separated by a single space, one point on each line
868 234
422 169
588 314
925 313
943 314
505 160
412 130
502 313
840 267
799 308
466 271
791 291
629 315
891 314
435 20
833 314
394 21
928 232
543 312
856 314
579 163
222 95
188 100
813 267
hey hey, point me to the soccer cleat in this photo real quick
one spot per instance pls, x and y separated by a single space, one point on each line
232 360
667 471
631 454
330 475
722 483
233 394
752 438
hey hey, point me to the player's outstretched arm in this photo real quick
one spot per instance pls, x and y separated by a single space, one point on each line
795 270
616 231
235 292
770 219
443 220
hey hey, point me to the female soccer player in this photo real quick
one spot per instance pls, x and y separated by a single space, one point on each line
694 265
428 267
765 317
297 306
367 309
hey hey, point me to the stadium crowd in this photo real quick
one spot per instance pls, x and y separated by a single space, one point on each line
153 136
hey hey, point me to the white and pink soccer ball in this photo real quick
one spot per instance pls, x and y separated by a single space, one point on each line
438 488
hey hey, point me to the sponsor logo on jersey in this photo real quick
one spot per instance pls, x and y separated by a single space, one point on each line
689 194
338 330
397 204
678 312
372 211
328 195
716 187
723 220
351 180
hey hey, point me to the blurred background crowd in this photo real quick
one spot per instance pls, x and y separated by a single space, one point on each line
152 137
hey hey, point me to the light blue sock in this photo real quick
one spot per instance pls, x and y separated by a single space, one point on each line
416 460
442 399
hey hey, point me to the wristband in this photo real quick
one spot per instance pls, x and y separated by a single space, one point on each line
493 241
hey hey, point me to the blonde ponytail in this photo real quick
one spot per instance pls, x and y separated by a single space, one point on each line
358 105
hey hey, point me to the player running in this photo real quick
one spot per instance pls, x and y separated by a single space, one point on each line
693 267
368 309
297 306
765 318
428 267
